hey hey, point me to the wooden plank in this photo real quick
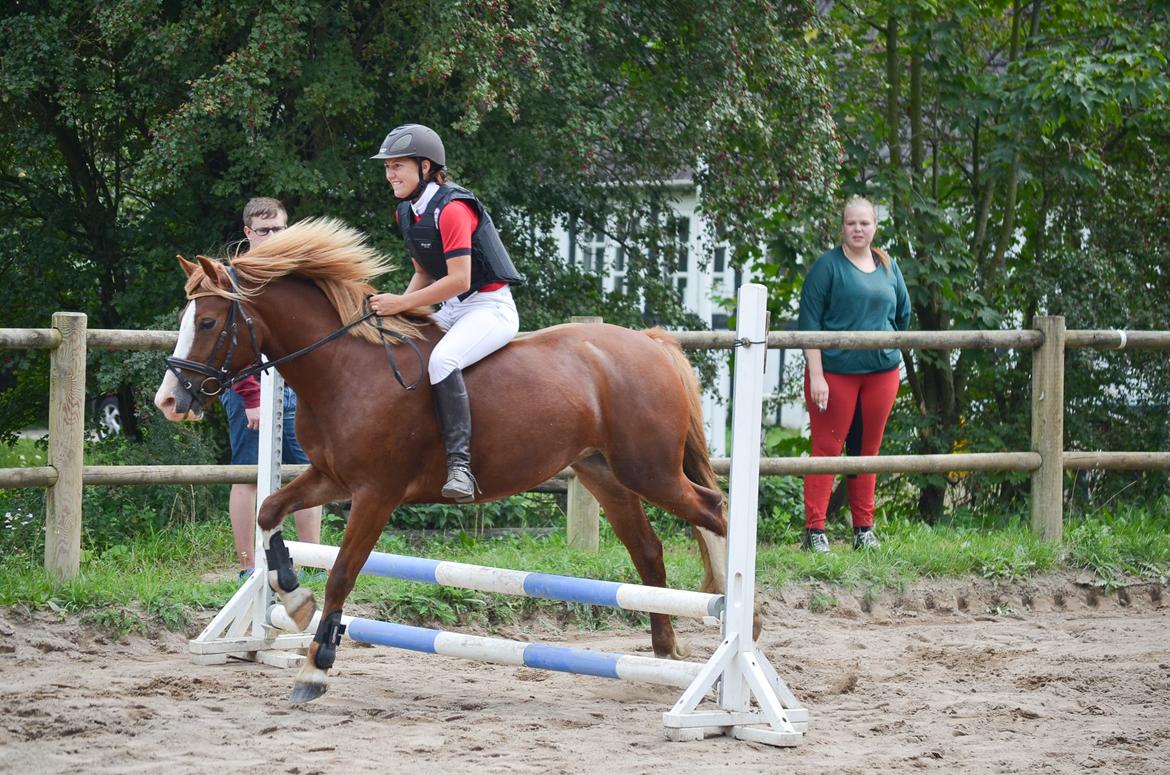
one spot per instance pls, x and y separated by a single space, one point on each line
868 340
583 512
66 437
241 644
890 464
12 478
1048 429
583 520
29 338
1114 339
207 474
1117 461
797 466
282 659
124 339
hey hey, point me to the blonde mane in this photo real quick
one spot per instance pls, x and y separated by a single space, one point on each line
332 255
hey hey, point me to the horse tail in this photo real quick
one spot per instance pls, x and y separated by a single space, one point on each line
696 457
697 468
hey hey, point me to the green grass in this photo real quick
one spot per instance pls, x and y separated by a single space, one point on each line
1123 545
165 579
25 453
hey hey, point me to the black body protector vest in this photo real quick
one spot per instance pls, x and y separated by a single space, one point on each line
490 262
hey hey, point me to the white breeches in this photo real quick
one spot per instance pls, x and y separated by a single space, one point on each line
476 327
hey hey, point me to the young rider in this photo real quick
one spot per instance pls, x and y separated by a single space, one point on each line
459 262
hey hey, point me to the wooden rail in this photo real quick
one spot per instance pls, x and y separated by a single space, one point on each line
68 341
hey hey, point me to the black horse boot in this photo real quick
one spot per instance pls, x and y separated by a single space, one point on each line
454 414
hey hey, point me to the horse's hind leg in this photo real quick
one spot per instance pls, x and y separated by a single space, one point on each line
311 488
703 507
369 513
624 511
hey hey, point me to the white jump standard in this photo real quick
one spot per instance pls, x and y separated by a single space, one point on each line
254 626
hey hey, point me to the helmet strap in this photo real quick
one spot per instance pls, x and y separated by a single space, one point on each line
422 181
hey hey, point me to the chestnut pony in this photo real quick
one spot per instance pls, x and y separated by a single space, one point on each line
620 407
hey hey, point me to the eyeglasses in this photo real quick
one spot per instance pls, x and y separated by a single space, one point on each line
264 231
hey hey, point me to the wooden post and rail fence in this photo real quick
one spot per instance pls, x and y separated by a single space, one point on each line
65 473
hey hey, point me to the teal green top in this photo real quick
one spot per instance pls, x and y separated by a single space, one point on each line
837 296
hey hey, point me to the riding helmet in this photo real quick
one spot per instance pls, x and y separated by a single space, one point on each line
412 140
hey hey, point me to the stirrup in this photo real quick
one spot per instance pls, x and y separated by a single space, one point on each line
461 485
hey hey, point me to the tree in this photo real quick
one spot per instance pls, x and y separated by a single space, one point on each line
135 131
993 132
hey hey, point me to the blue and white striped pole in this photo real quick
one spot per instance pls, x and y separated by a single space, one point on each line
500 651
631 597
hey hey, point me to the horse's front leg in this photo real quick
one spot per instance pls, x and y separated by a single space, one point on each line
312 488
367 517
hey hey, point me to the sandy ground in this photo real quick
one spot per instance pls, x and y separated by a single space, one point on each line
967 677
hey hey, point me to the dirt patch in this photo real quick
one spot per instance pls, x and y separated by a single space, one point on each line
1053 675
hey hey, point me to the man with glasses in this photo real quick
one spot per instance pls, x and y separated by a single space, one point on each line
263 217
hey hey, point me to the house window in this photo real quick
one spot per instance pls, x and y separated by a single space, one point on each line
593 252
718 269
679 231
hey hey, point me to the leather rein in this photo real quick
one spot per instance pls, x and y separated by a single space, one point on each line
216 380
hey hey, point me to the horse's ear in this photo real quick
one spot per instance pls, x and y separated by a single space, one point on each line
213 272
188 266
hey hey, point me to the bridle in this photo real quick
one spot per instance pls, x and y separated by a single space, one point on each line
217 379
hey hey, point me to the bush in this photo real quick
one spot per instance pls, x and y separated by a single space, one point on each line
527 509
781 509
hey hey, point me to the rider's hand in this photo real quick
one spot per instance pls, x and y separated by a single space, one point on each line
384 304
253 417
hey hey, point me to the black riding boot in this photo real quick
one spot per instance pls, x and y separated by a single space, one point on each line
454 414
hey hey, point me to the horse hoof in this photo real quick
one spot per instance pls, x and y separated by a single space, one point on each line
300 605
676 651
304 691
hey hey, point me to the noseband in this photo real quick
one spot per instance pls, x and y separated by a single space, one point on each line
216 380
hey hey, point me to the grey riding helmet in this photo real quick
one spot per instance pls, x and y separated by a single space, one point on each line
412 140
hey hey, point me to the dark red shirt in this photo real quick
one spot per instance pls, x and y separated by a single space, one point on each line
248 389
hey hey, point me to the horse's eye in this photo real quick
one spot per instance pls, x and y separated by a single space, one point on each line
207 323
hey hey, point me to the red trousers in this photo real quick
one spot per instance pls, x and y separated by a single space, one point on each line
874 393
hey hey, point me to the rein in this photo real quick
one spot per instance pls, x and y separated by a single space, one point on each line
220 379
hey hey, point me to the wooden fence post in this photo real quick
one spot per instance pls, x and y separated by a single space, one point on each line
583 520
66 446
1048 429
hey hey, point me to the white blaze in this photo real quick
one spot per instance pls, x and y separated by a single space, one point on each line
164 398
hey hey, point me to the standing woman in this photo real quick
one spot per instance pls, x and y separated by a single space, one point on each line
854 287
459 262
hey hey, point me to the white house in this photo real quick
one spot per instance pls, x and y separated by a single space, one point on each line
703 277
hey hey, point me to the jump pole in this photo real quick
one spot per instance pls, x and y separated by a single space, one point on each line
569 589
501 651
